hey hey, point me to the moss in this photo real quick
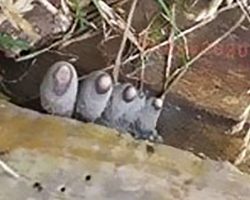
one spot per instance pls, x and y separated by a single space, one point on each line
7 42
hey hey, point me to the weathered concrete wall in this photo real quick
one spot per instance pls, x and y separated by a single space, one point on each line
59 158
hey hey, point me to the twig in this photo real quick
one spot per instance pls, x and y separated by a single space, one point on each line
78 39
115 21
72 57
144 35
123 43
65 8
8 170
146 30
143 66
171 19
244 149
243 119
244 9
57 43
36 53
246 141
49 6
170 51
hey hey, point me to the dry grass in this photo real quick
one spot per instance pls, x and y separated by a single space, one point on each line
245 147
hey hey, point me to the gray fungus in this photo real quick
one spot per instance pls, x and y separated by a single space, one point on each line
97 99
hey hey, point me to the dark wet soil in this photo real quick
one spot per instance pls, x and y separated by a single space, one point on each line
197 112
185 126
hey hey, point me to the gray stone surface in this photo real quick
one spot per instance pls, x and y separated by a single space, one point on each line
59 158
